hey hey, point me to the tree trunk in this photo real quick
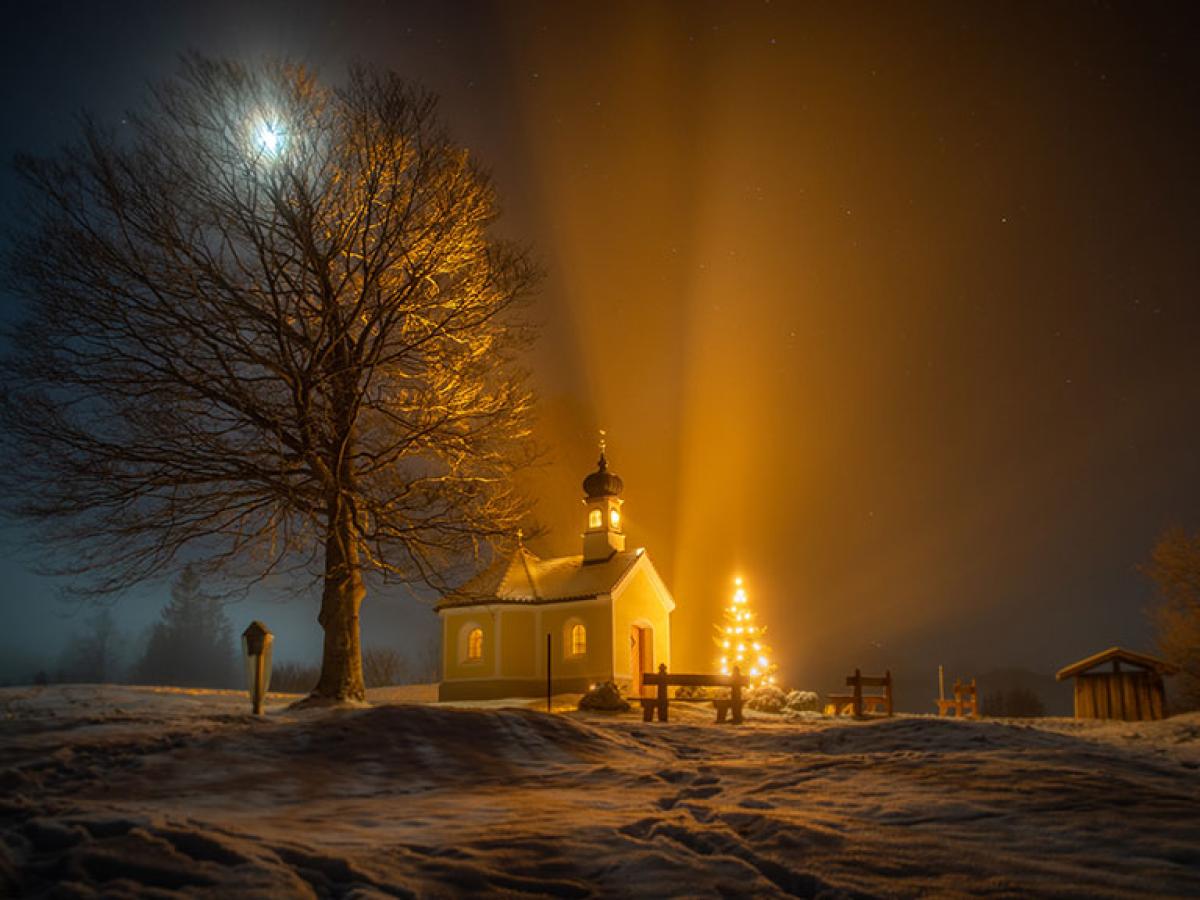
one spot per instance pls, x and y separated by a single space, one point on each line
341 664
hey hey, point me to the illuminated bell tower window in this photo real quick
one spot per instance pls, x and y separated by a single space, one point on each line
595 518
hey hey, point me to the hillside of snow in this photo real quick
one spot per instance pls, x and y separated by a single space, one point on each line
127 791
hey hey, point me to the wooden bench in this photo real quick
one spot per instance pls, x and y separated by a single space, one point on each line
726 706
965 702
859 703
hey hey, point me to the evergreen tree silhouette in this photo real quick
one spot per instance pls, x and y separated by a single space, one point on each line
192 644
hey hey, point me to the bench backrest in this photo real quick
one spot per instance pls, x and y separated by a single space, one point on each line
675 679
869 680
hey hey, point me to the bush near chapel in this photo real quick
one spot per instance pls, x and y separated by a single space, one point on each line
604 697
803 701
766 698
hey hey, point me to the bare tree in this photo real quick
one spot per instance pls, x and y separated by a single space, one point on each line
383 667
268 326
427 664
1175 569
93 656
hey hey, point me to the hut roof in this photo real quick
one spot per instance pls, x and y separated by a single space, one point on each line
1120 654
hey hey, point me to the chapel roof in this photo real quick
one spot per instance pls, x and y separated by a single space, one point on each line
525 578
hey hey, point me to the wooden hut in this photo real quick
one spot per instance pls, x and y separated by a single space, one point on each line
1131 690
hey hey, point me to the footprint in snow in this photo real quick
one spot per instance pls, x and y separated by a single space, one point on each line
700 793
674 776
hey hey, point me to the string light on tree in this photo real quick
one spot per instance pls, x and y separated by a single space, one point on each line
741 641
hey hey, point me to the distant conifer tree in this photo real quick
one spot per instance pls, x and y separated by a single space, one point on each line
192 644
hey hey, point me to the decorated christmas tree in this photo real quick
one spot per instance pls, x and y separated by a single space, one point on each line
741 641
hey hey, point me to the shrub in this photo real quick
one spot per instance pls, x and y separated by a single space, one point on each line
293 678
383 667
766 698
604 697
697 692
802 701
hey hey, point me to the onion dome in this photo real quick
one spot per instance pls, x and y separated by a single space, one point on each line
602 483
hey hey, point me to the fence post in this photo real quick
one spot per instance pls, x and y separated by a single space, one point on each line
858 703
549 689
662 692
735 696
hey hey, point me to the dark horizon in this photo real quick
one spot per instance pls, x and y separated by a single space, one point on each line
890 313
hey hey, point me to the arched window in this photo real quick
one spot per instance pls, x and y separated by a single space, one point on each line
595 518
614 518
578 640
475 645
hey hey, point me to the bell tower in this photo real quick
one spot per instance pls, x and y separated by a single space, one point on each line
602 489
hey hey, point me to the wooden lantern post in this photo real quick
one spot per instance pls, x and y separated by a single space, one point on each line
257 641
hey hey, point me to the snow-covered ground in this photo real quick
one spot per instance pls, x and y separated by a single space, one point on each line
127 791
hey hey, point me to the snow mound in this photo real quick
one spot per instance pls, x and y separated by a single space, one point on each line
130 792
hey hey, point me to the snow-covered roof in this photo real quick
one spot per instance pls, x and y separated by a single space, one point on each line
1118 654
526 578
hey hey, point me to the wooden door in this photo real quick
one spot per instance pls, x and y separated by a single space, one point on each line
641 657
635 661
647 645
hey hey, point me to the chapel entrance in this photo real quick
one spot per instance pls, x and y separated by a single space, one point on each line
641 656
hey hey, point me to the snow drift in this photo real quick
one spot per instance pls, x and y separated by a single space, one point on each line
136 792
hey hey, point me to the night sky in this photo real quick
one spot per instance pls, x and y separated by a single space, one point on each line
891 311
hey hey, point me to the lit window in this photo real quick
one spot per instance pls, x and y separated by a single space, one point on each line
595 518
475 645
578 640
614 517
